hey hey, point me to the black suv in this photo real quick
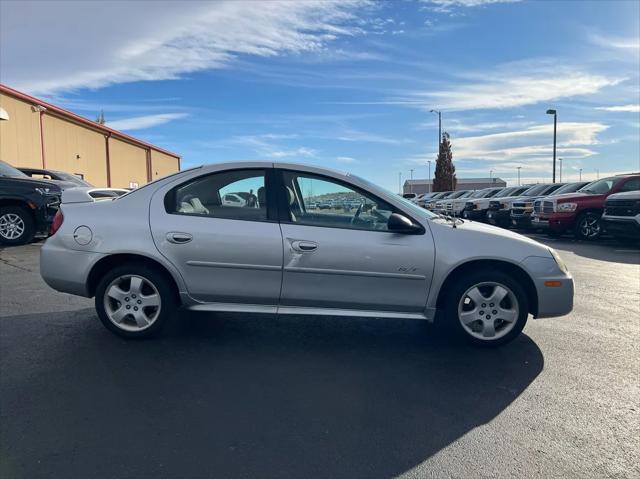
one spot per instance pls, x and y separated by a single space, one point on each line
27 206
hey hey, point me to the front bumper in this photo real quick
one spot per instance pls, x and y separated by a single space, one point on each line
498 217
475 215
623 227
521 221
554 288
557 222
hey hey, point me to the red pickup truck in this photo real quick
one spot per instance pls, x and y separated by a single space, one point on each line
580 212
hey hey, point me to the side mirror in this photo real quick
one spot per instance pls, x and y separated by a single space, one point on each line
401 224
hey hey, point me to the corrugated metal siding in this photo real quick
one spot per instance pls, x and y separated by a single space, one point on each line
20 136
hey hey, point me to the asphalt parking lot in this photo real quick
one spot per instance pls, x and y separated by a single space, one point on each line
261 396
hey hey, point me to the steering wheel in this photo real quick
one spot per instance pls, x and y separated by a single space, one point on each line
357 214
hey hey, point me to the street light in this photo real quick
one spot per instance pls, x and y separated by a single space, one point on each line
518 168
490 176
411 182
430 182
580 175
555 125
400 183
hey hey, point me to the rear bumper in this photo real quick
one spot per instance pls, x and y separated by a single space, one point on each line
66 270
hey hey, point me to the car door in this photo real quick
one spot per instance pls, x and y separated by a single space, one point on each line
225 253
343 257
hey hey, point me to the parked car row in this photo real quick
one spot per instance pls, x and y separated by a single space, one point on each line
30 197
586 209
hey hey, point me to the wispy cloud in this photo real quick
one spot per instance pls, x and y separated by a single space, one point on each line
629 43
447 6
156 40
345 159
626 108
147 121
516 84
574 141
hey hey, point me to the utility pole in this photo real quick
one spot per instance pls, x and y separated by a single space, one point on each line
430 182
555 126
518 168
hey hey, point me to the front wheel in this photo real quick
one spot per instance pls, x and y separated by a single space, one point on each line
135 301
588 226
16 226
486 308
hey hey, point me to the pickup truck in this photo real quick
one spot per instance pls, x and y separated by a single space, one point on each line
522 208
621 217
27 206
581 211
500 206
476 207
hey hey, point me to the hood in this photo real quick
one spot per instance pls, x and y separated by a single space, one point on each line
627 195
53 186
575 196
481 237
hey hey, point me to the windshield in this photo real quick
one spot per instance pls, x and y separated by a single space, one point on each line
9 171
458 194
536 190
414 208
599 187
569 188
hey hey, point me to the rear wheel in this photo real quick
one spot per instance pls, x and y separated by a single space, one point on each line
16 225
486 308
588 226
135 301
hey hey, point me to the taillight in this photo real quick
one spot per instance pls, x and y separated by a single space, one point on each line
56 223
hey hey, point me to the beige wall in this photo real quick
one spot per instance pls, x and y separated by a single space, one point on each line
162 164
128 164
20 136
75 149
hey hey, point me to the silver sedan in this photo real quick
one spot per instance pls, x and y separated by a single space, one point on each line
175 243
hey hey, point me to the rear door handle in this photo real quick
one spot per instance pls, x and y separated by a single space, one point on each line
304 246
178 238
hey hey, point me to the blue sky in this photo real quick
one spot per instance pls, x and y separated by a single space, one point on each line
346 85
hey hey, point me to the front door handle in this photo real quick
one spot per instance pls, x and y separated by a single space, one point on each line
304 246
178 238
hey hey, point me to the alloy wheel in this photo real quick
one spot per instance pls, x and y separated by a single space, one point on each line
590 227
11 226
132 302
488 311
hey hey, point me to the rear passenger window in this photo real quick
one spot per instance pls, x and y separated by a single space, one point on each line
237 194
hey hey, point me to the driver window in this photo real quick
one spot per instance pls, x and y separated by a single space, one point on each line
237 194
320 201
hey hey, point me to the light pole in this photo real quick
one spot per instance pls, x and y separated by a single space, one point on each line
560 160
439 127
490 176
400 183
555 125
580 175
411 182
430 182
518 168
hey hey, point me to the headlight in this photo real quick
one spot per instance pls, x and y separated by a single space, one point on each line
559 261
566 206
42 191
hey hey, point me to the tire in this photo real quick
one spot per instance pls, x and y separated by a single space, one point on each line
588 226
17 226
134 286
459 306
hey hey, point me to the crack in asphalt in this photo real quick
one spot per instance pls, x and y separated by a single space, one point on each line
8 263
